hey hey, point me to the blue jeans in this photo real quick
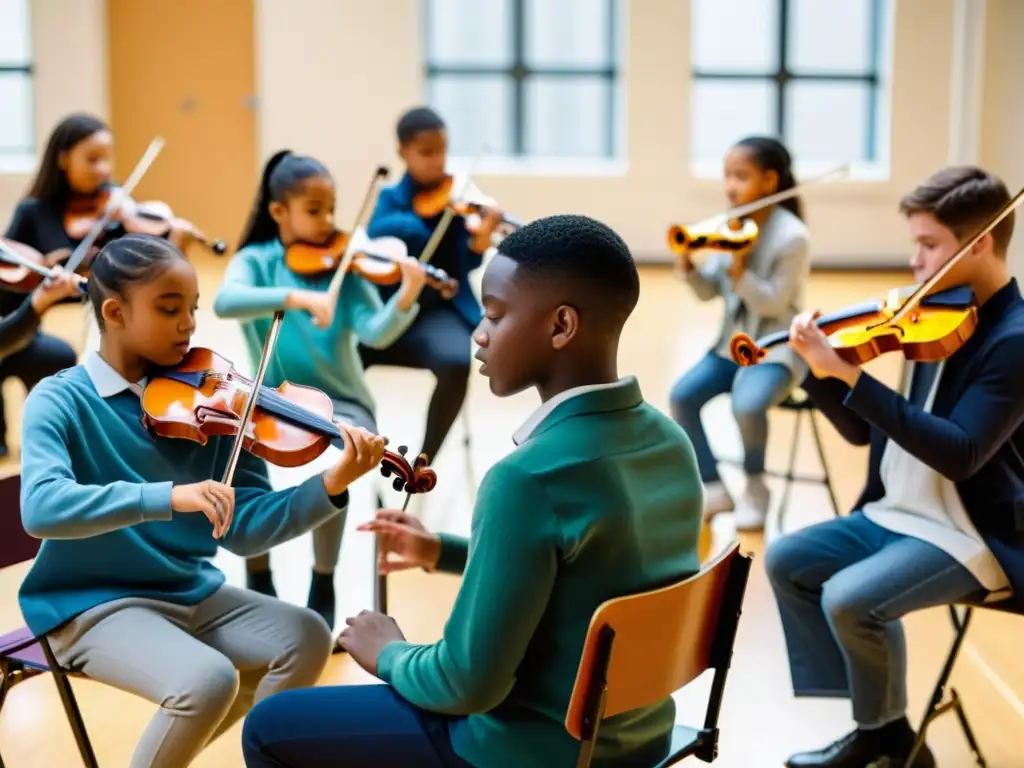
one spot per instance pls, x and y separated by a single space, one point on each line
754 391
842 587
350 726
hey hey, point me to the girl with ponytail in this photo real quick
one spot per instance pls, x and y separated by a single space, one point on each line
295 202
767 294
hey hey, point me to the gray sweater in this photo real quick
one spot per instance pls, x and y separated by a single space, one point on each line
769 294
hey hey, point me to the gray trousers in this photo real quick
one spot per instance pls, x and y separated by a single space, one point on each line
206 665
327 536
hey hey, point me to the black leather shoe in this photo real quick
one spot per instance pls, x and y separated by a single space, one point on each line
855 751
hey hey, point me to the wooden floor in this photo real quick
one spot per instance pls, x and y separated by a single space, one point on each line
761 722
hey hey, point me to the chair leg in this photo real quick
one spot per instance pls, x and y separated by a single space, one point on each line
789 477
380 580
67 697
5 684
468 450
972 742
936 707
824 465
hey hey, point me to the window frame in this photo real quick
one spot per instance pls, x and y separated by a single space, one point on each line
22 159
872 159
520 72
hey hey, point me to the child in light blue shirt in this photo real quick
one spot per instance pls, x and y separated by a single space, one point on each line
317 345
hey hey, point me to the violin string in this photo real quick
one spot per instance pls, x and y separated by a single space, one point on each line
286 409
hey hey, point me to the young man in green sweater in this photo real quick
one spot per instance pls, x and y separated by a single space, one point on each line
601 498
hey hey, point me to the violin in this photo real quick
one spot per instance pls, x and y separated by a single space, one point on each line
722 233
146 218
291 425
472 205
933 330
24 268
376 260
929 325
732 232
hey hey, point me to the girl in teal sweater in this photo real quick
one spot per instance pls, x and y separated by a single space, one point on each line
295 203
123 585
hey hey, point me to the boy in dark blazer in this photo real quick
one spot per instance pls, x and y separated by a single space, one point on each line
601 498
439 340
941 517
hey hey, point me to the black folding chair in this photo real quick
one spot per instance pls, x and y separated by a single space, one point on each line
939 705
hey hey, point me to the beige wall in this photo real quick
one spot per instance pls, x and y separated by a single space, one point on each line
1002 130
361 65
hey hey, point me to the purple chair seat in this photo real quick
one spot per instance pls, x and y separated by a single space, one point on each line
22 646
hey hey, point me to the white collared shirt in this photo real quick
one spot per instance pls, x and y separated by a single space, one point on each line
107 381
921 503
524 432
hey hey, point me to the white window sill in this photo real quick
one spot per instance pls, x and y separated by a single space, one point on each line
711 170
546 166
22 164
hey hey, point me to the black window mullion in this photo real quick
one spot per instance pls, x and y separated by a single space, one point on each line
875 56
783 76
519 74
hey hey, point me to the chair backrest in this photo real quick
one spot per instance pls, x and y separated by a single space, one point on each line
16 546
661 640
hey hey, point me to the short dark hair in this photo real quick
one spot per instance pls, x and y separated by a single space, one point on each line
128 261
963 198
416 121
587 258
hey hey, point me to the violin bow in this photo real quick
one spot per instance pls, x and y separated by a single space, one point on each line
250 405
922 291
78 255
16 259
334 289
742 210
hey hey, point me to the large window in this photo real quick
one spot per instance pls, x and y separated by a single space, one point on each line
17 125
812 72
525 78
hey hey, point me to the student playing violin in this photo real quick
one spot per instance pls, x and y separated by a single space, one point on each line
440 338
763 291
939 520
123 585
76 166
316 347
75 171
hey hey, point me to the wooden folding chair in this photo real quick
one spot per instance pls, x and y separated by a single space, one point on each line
642 648
21 654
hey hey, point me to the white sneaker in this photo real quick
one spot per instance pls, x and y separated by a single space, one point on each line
716 499
753 507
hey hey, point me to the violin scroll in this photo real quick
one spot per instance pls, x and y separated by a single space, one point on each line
414 478
744 350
